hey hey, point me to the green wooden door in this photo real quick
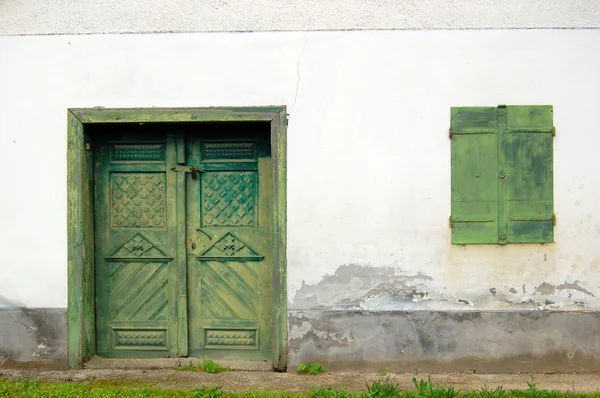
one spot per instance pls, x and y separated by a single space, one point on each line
136 242
183 243
230 243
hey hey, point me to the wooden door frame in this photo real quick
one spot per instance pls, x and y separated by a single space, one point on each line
80 213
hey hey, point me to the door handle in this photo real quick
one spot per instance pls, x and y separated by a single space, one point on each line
207 235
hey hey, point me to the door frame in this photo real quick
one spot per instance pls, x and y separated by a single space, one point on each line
80 213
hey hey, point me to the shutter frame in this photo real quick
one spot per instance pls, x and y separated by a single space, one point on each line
528 148
474 195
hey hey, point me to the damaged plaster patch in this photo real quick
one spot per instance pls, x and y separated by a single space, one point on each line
31 334
545 288
388 288
574 286
360 287
563 296
321 332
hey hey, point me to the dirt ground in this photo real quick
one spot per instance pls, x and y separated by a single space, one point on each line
244 380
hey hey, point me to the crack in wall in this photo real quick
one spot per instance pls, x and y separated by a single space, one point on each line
298 72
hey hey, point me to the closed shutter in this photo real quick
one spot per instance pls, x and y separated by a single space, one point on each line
474 132
529 176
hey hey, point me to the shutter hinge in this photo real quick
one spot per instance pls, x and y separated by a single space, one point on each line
553 131
450 133
450 222
554 219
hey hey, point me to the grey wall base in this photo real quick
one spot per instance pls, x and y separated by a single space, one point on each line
447 341
33 337
401 341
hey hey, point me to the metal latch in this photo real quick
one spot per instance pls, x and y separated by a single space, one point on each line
192 170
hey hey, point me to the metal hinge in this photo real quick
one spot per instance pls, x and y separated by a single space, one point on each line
450 133
553 131
450 222
554 219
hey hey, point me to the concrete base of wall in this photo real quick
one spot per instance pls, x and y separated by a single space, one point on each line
401 341
33 337
447 341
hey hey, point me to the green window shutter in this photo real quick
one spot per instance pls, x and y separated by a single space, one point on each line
474 132
527 148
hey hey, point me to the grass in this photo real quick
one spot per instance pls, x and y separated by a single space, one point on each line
207 366
310 368
383 387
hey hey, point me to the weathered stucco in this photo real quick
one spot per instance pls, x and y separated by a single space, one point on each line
33 336
473 341
368 149
388 288
368 177
135 16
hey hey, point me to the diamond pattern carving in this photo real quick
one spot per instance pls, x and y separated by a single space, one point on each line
155 338
228 198
228 151
138 245
138 200
229 245
137 152
231 337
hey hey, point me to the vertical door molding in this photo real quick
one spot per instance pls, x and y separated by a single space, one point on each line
80 216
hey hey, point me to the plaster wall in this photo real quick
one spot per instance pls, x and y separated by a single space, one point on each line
18 17
368 154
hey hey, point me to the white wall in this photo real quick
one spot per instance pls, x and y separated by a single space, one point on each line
368 147
19 17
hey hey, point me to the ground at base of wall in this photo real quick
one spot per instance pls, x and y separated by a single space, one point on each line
291 381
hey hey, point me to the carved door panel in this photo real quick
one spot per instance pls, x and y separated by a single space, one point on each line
229 226
136 241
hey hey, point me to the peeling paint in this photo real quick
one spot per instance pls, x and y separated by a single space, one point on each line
356 286
388 288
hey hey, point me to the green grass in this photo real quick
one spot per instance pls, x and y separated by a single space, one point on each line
310 368
207 366
383 387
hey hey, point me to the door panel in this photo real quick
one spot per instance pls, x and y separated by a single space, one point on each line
135 244
229 244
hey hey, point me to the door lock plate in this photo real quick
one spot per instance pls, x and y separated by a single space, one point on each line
193 170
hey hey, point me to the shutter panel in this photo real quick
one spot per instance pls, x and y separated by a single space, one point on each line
474 133
529 179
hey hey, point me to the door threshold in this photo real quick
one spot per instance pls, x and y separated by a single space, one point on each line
172 363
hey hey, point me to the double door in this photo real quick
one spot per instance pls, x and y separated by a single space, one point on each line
183 232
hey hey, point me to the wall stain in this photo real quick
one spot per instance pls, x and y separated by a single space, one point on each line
29 336
545 288
574 286
488 341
